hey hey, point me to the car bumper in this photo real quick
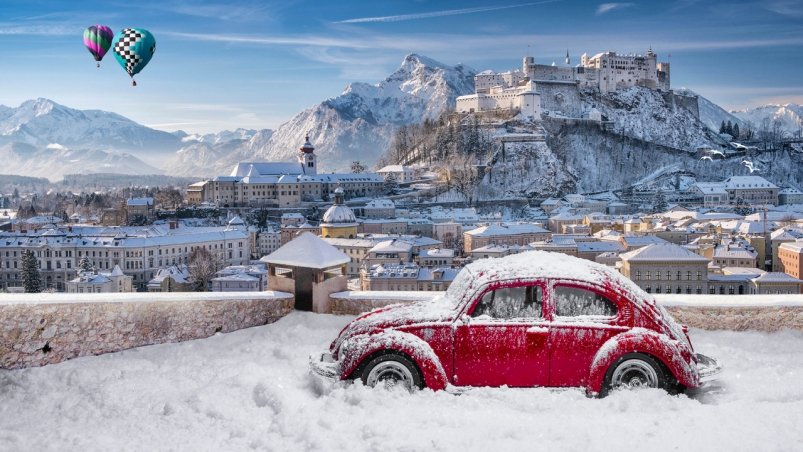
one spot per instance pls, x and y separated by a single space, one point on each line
324 366
708 368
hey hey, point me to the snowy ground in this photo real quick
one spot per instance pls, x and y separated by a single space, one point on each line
251 390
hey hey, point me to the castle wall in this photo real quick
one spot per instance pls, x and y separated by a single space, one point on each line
690 103
39 329
561 97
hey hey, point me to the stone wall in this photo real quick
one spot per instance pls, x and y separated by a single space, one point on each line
710 312
39 329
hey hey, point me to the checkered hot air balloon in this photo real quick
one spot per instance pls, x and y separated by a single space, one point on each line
133 49
98 39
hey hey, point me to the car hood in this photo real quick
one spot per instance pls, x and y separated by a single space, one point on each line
438 309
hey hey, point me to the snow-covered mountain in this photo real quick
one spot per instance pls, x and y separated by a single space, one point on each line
41 122
54 161
358 124
790 115
216 154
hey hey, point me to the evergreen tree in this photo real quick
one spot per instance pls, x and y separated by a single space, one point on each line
391 185
659 202
742 208
729 128
736 131
84 265
722 127
31 279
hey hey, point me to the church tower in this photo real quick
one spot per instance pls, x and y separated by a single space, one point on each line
306 157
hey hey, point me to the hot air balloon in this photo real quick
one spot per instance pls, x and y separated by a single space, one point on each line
133 48
98 39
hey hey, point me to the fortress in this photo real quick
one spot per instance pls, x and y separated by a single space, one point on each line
606 72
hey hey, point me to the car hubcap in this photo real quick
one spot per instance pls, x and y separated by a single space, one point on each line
633 374
390 374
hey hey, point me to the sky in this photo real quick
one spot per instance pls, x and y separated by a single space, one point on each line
254 64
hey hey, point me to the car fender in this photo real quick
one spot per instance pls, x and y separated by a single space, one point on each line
360 348
641 340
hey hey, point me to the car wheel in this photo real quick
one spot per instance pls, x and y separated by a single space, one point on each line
392 370
635 371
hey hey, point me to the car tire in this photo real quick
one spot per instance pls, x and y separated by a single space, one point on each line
392 369
635 371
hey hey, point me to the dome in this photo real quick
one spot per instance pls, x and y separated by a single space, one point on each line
339 214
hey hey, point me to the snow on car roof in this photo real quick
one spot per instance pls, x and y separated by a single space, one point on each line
539 264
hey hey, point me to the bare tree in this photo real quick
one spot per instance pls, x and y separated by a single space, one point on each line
202 266
463 175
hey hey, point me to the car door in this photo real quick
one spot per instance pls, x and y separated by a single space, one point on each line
501 338
584 317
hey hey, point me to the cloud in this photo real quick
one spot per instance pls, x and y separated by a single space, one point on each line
443 13
608 7
791 8
39 30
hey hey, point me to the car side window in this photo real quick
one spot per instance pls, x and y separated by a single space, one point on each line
574 301
511 303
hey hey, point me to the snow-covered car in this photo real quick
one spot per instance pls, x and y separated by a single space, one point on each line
531 319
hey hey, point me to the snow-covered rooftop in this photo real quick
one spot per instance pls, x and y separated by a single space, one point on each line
309 251
662 252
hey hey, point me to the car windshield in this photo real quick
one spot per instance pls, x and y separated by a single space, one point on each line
462 284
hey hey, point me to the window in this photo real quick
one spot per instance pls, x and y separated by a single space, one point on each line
574 301
511 303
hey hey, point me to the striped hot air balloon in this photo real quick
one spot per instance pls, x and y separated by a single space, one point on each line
98 40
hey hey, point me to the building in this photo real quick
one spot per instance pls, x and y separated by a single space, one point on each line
379 208
403 174
310 269
175 278
241 278
752 190
734 254
779 237
438 257
666 268
790 255
790 196
139 251
522 97
264 241
408 277
503 234
339 221
283 184
140 208
98 282
713 193
605 72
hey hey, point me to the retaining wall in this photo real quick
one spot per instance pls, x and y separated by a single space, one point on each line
39 329
710 312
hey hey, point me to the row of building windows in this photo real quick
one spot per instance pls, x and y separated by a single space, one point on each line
668 275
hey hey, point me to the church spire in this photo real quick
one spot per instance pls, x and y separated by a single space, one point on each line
568 60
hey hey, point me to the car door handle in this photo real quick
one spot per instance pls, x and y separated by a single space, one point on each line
537 330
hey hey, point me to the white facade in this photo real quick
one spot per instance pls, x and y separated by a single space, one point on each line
524 98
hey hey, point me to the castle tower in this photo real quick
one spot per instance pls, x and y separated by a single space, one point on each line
306 157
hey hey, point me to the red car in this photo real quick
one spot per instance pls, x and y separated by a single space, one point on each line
531 319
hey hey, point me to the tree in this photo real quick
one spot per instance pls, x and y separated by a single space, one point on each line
390 185
722 127
356 167
729 128
31 279
84 265
736 131
742 208
202 266
659 202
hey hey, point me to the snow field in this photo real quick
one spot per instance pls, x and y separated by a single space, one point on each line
250 390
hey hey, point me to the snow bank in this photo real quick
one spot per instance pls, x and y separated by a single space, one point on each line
250 390
39 329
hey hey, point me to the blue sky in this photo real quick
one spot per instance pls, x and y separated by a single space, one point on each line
254 64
